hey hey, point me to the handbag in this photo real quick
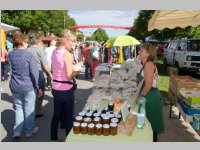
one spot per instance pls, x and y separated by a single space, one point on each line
68 82
95 54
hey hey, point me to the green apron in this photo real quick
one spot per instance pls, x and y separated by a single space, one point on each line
154 107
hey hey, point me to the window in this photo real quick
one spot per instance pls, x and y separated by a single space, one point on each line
183 46
194 45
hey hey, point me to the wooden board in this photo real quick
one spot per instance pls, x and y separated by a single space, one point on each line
128 127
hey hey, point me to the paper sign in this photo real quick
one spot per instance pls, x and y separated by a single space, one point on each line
125 111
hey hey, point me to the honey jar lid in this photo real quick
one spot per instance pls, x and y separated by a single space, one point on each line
105 117
76 124
119 116
113 124
87 119
89 114
96 114
102 115
97 119
106 126
84 124
79 118
81 113
111 115
114 120
98 125
91 125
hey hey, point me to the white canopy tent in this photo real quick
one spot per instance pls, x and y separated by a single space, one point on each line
8 28
174 18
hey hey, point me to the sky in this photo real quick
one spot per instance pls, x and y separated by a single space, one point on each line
104 17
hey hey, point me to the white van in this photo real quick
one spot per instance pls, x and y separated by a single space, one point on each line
184 54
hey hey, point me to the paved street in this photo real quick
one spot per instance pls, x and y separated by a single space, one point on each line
175 129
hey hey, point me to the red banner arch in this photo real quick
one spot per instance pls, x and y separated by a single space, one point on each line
103 26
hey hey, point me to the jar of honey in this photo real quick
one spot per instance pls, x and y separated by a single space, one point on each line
87 120
91 129
105 120
97 120
106 129
84 128
111 116
82 114
113 129
89 114
98 129
114 120
76 127
96 115
79 119
110 106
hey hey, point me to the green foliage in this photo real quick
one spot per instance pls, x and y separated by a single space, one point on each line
48 21
100 35
141 24
80 37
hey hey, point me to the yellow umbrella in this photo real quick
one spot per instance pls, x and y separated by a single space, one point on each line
174 18
3 40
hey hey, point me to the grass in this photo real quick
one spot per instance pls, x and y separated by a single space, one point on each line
163 78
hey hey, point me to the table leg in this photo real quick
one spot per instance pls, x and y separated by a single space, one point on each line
179 115
170 110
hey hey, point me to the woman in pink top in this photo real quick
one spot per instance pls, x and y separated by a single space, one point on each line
62 69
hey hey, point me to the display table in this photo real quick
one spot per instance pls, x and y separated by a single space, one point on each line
139 135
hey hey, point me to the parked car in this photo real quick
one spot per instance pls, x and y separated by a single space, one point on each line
184 54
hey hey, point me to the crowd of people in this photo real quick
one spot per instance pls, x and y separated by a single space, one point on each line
33 68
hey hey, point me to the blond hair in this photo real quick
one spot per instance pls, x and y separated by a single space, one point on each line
65 35
151 49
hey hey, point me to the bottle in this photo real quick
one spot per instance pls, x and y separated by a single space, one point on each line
141 113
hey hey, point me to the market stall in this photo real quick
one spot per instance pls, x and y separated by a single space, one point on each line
123 45
184 92
112 111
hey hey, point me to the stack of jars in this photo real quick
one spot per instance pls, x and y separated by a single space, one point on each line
101 122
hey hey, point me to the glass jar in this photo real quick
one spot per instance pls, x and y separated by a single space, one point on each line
82 114
87 120
97 120
89 114
106 129
111 116
79 119
114 120
96 115
91 129
105 120
113 129
84 128
110 106
98 129
76 127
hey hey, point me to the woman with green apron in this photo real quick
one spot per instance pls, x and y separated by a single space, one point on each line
154 101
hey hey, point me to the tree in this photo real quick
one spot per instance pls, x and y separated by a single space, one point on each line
100 35
80 37
48 21
141 24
